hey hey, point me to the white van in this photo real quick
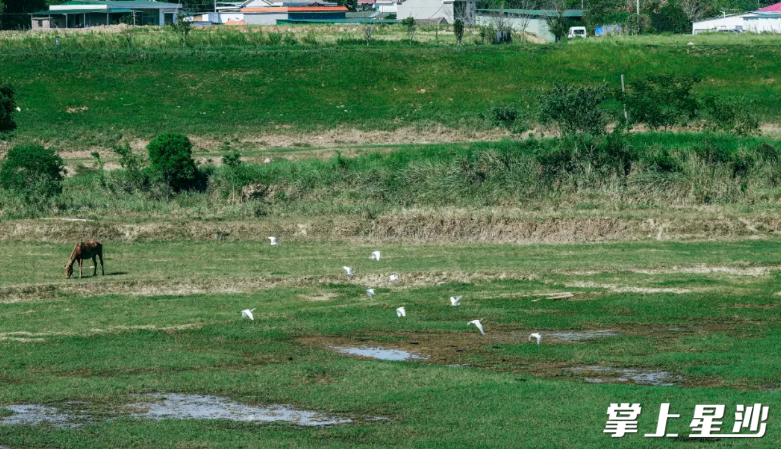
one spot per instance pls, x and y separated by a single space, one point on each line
576 32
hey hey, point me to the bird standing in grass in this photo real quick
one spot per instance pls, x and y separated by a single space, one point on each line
455 301
349 270
375 256
394 278
247 313
273 241
537 336
400 312
370 292
477 325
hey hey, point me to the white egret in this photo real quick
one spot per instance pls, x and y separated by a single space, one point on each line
349 270
375 256
400 312
267 161
370 292
477 325
394 278
537 336
247 313
440 283
455 301
273 241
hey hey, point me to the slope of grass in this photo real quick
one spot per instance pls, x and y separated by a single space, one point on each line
239 92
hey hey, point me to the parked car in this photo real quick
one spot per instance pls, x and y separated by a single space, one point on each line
576 32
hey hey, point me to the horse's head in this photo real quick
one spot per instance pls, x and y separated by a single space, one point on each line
68 271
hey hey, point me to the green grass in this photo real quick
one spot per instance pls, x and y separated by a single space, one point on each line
244 92
83 344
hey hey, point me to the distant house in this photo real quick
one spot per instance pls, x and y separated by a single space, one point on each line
263 12
83 14
764 20
437 10
537 19
383 6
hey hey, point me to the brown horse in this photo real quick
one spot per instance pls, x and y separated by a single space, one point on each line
85 250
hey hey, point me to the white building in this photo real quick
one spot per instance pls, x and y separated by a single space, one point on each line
765 20
449 10
734 22
85 14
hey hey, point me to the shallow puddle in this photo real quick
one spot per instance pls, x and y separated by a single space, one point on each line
193 406
31 415
379 353
584 335
638 376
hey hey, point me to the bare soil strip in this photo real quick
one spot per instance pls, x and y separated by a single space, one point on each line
404 226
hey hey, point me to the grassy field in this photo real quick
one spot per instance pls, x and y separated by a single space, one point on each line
649 262
166 320
77 98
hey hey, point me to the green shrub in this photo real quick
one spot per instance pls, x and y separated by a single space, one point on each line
32 171
729 116
661 101
170 157
712 153
132 178
7 108
504 116
663 162
574 109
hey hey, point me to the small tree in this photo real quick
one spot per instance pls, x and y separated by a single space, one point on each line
33 171
573 109
525 17
557 24
458 30
183 27
7 108
232 160
409 22
170 157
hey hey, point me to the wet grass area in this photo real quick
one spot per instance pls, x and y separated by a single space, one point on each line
323 364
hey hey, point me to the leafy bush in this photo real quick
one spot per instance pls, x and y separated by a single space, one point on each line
170 157
712 153
132 177
581 153
504 116
574 109
661 100
672 19
729 116
32 171
663 162
7 108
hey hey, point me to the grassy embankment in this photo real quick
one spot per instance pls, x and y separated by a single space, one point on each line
166 320
79 98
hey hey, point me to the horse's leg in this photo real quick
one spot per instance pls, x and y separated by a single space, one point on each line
94 266
80 270
102 270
